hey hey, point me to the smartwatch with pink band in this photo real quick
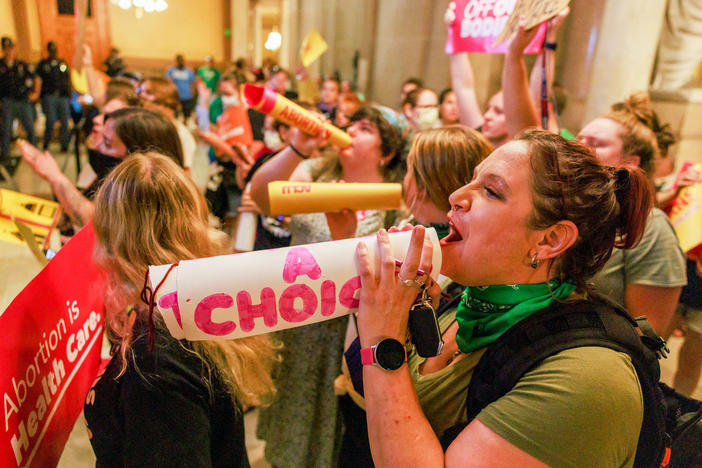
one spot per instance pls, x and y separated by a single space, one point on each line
389 354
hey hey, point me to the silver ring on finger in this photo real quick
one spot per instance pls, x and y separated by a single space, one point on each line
419 282
406 282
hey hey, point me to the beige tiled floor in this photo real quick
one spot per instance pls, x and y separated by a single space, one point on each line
18 267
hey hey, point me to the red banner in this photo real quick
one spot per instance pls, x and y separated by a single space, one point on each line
50 354
478 23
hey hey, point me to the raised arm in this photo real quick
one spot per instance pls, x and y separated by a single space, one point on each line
463 81
463 84
520 112
536 77
76 206
94 88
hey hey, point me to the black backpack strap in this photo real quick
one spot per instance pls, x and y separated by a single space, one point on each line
557 328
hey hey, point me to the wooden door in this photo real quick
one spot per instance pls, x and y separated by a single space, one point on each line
58 23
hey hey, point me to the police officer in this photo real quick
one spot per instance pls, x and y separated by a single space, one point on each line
18 91
55 95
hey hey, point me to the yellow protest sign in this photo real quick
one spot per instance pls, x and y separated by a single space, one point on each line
534 12
36 213
79 80
307 90
312 48
31 241
686 215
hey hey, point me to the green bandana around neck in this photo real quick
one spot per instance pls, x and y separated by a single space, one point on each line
486 312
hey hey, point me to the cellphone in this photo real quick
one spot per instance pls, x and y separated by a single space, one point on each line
424 329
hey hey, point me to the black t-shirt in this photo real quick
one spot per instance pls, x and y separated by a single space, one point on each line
55 77
16 80
162 412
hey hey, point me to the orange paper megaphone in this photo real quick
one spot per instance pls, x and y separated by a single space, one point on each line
266 101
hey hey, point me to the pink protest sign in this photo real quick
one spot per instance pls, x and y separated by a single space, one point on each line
478 24
234 296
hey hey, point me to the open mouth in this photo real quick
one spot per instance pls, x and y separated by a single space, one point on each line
453 235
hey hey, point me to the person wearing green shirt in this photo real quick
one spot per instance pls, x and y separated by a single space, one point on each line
209 74
521 240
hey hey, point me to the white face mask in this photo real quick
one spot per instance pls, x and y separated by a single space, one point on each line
272 139
230 101
427 117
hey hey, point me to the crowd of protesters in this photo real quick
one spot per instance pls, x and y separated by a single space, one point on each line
536 222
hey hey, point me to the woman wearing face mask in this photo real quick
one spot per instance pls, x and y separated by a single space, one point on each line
122 132
306 404
421 108
648 279
227 97
119 94
449 154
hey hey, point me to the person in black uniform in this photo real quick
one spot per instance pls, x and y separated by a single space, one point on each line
18 91
55 95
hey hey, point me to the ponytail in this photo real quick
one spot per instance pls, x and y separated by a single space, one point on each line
609 206
635 199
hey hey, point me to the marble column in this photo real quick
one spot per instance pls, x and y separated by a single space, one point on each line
608 52
681 46
240 29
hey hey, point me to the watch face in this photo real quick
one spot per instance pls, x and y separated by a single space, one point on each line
390 354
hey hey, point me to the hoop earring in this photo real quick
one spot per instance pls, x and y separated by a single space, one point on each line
534 262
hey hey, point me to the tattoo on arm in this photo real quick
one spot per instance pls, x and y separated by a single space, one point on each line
76 206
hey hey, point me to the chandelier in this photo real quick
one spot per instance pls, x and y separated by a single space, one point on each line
141 6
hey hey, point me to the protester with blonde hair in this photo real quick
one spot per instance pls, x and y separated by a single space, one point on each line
161 401
450 155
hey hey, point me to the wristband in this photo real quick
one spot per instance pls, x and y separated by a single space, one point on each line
550 45
297 151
